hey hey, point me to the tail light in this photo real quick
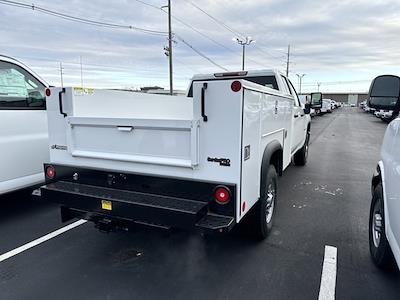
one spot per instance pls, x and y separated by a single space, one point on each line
222 194
236 86
50 172
47 92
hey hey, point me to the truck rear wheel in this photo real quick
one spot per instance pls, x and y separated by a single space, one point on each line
300 157
379 246
263 213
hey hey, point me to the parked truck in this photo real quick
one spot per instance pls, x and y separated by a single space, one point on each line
205 161
384 218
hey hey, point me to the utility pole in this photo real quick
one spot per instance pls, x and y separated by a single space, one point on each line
288 61
300 77
80 60
244 43
243 55
61 74
171 85
318 83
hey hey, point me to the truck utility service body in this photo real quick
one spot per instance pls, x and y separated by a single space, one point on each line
191 162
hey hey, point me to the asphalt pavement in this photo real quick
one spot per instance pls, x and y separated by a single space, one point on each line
324 203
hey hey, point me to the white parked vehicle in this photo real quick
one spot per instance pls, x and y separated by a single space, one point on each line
326 106
379 113
199 162
333 105
384 236
23 126
387 116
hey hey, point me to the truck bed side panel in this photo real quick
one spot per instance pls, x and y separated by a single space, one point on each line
266 118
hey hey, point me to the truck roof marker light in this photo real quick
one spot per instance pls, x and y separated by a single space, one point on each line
47 92
222 194
50 172
230 74
236 86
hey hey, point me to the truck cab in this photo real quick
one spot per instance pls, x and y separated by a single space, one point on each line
23 126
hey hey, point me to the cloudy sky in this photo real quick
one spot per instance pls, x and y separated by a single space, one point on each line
340 44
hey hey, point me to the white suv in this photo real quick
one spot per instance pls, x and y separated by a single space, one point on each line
384 222
23 126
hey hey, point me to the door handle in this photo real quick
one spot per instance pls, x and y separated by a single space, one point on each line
125 128
203 91
60 104
296 116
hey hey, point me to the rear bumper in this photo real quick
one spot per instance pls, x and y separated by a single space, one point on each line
111 204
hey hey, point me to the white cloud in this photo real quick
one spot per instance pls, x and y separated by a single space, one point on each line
331 40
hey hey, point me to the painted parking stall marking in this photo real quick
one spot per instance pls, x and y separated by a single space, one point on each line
40 240
328 278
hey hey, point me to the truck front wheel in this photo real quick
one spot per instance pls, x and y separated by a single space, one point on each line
378 244
263 214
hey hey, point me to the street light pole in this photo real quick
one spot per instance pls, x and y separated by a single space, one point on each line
300 77
244 42
171 86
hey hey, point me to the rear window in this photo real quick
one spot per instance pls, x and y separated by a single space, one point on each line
267 81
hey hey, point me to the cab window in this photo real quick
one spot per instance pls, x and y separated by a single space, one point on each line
19 89
286 86
294 93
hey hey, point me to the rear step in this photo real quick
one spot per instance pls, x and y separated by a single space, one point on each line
214 222
135 206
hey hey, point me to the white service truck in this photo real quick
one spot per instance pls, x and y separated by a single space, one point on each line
384 218
204 161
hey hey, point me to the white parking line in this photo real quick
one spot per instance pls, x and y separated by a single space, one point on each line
328 278
40 240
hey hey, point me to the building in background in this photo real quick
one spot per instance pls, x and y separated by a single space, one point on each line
350 98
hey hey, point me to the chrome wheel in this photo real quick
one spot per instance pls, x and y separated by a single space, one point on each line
307 145
270 205
377 224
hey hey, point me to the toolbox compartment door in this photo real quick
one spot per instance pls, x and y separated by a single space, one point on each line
148 141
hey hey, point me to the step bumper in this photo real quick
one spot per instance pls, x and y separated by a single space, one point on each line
99 203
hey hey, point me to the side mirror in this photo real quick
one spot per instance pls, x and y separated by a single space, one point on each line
307 108
384 93
316 100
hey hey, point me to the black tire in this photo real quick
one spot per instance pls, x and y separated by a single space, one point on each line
300 157
379 246
262 216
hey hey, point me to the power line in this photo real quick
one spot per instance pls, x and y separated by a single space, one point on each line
79 19
103 24
202 34
194 29
217 21
199 53
230 29
190 27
